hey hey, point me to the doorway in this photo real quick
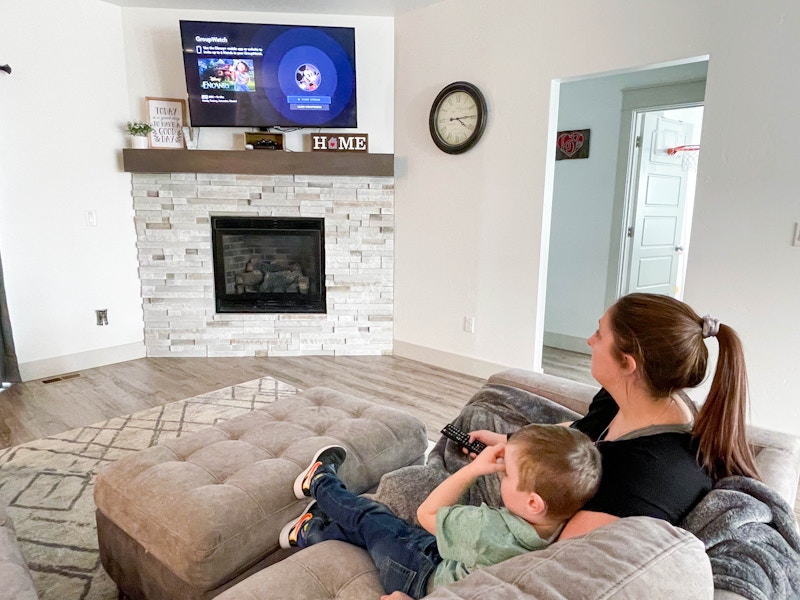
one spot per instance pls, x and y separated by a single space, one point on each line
590 261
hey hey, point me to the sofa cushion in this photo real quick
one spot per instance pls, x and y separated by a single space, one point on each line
331 569
630 559
777 459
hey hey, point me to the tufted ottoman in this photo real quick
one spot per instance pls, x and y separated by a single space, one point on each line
192 516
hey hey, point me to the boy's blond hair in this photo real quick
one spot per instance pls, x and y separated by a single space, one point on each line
560 464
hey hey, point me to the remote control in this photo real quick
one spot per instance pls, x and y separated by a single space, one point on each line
462 438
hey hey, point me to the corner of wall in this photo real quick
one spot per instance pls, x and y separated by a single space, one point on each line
447 360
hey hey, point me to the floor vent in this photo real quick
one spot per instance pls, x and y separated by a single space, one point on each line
61 378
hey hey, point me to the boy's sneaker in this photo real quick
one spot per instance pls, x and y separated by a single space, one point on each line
293 533
326 460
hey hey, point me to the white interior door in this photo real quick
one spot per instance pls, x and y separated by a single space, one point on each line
655 231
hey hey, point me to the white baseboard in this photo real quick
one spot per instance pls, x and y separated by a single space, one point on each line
566 342
58 365
447 360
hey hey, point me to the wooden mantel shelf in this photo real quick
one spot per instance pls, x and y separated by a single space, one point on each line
258 162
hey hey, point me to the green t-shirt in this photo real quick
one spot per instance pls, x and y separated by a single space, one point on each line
469 537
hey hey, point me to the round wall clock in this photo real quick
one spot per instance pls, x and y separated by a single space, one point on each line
458 117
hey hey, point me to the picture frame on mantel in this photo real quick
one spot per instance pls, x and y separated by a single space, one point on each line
167 116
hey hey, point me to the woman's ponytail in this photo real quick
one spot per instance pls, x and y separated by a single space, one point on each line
720 427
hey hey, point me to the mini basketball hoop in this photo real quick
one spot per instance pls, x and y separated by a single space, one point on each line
688 155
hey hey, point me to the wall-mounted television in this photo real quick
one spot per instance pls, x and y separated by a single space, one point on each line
251 75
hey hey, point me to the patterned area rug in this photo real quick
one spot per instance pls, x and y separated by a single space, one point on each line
47 484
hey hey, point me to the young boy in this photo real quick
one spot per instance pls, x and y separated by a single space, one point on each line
548 472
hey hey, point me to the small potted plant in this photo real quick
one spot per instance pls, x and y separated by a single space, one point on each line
139 131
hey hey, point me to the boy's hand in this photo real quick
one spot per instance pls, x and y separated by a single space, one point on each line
396 596
450 490
490 438
488 461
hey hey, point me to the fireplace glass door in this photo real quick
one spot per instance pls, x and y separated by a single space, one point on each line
269 264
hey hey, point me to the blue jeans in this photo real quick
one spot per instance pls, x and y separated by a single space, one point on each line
406 555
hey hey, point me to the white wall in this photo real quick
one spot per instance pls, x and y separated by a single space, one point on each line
60 120
82 69
469 228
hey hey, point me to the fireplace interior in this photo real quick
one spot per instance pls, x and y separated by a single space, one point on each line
269 264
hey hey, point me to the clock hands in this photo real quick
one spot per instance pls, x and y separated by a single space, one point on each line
463 117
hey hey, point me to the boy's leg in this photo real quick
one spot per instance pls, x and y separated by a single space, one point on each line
327 460
406 556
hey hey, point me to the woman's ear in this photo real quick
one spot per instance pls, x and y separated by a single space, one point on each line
628 364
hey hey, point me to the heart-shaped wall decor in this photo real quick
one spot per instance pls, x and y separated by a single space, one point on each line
570 142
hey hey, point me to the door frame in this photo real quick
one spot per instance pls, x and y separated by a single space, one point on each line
662 97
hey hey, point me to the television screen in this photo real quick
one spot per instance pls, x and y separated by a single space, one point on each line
250 75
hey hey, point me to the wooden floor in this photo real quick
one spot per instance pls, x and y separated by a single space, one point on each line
36 409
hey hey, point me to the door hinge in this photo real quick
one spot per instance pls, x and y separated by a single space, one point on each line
638 141
630 231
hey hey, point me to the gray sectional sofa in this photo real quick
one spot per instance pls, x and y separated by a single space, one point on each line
633 558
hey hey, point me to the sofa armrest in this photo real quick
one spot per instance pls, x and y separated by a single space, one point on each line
572 394
630 559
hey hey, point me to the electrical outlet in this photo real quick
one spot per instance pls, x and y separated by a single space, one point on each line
91 218
469 324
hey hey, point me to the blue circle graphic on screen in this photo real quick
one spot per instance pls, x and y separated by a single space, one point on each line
327 92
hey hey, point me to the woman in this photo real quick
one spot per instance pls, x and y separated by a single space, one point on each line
659 457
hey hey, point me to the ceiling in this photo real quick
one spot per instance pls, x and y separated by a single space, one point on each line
374 8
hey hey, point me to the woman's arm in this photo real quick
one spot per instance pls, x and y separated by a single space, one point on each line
585 521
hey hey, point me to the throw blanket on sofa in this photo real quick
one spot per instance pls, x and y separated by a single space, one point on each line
750 534
495 407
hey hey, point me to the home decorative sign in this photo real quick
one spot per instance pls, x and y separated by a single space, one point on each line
347 142
167 118
572 144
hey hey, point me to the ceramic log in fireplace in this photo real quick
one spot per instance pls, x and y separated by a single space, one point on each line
269 264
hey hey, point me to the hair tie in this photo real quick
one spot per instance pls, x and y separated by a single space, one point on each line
710 326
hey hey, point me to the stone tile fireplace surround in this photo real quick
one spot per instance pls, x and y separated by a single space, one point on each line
172 217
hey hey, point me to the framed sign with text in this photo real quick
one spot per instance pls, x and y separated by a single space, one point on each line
347 142
167 116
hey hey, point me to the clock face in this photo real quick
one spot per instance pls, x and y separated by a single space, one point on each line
458 117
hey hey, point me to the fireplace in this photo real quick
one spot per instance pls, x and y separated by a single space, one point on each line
269 264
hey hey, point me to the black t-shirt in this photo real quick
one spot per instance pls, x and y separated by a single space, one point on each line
654 475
